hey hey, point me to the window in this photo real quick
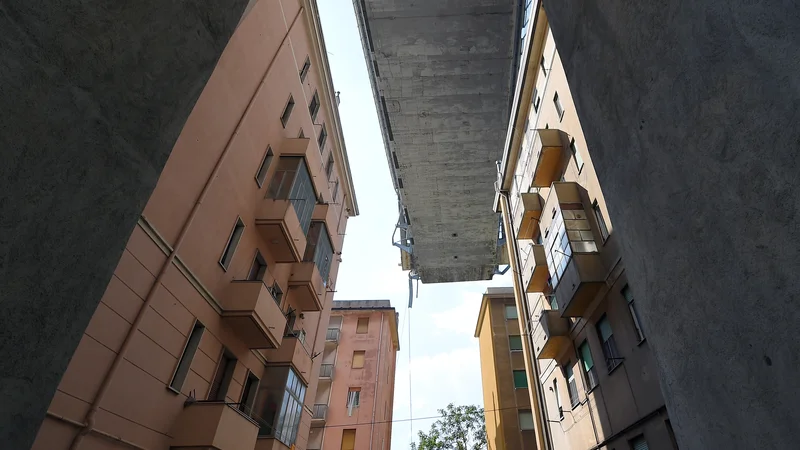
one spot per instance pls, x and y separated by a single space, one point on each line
559 107
329 167
358 359
233 242
536 99
301 134
292 182
601 222
588 365
609 344
335 190
323 136
348 440
258 269
558 400
577 155
287 111
637 324
222 378
276 292
572 385
186 358
542 64
313 107
511 312
304 69
261 175
353 399
515 343
280 403
319 249
363 325
249 394
553 302
639 443
520 379
525 420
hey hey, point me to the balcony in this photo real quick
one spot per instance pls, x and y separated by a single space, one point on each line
213 425
279 226
534 270
313 159
294 353
326 372
531 204
551 158
332 335
318 414
306 287
574 262
326 212
251 311
551 336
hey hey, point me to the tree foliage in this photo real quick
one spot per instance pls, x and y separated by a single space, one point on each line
460 428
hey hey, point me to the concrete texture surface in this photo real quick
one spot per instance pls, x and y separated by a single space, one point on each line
691 111
93 96
443 72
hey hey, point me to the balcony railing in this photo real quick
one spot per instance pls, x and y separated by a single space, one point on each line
250 309
332 335
319 412
326 371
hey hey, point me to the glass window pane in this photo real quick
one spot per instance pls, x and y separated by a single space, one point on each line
525 420
586 356
511 312
520 379
604 328
515 343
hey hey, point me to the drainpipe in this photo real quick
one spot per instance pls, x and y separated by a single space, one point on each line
89 421
543 437
377 377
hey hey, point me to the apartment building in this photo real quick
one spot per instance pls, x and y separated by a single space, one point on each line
355 397
507 405
591 377
207 333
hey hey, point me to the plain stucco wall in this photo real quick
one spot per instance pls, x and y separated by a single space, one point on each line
690 110
93 97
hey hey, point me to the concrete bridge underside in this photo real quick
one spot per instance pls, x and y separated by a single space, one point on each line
442 75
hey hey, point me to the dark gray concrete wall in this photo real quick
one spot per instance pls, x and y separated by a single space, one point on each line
93 94
691 110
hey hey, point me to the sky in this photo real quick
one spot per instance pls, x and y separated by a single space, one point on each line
442 360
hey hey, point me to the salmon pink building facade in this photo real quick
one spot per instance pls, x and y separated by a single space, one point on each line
355 396
209 331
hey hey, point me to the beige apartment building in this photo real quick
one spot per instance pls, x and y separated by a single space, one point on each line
572 325
507 405
355 396
208 332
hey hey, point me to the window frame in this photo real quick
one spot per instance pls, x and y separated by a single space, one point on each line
601 221
609 345
589 369
353 399
357 353
322 138
559 107
287 111
572 385
190 347
576 155
263 168
559 405
223 375
637 323
366 327
258 262
304 70
234 238
511 347
292 181
514 375
314 106
519 419
506 310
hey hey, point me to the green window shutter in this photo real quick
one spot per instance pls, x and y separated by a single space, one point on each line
586 356
515 343
604 328
520 379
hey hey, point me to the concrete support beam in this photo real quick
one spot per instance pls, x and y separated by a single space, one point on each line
94 94
691 113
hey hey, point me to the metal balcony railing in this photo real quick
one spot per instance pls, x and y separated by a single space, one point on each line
332 335
326 371
319 412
